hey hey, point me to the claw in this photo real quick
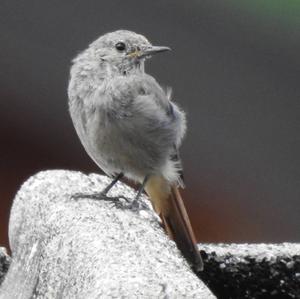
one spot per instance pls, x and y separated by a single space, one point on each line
117 204
136 205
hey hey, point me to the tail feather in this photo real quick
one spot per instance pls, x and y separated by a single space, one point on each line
169 205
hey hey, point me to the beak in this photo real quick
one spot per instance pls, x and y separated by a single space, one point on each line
153 50
148 51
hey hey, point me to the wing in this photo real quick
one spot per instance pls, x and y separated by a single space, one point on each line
138 120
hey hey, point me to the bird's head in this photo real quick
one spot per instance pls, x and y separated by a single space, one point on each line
123 52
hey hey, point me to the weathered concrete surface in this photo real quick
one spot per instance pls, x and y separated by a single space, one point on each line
243 270
252 270
85 248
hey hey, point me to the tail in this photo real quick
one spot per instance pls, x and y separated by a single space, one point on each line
168 204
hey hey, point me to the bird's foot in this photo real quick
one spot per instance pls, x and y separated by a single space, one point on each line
136 205
128 204
120 202
115 200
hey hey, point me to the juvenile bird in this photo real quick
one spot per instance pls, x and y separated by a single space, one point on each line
129 126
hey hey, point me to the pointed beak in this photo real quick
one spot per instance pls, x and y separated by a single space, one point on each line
149 51
154 50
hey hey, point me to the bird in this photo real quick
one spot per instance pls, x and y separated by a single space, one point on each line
130 126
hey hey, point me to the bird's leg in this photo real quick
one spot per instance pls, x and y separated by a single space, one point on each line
113 182
103 193
136 204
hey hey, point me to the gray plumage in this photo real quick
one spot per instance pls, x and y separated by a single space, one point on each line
124 119
129 126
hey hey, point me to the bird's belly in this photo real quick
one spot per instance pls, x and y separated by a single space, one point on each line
117 151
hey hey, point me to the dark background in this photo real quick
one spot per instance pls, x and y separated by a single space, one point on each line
235 70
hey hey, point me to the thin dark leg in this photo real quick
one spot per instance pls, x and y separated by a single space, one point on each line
102 194
141 189
136 204
113 182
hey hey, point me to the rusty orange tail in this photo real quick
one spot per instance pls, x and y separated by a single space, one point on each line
167 202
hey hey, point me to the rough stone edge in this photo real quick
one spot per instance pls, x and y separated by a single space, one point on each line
246 270
240 270
24 264
252 270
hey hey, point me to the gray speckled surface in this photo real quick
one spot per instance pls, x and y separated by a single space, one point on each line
66 248
256 271
257 251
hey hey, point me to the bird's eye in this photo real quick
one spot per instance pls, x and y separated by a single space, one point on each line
120 46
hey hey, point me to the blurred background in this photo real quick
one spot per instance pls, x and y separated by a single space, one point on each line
234 68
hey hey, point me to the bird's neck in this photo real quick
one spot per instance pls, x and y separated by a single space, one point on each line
126 68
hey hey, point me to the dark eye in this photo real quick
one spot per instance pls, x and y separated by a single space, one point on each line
120 46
